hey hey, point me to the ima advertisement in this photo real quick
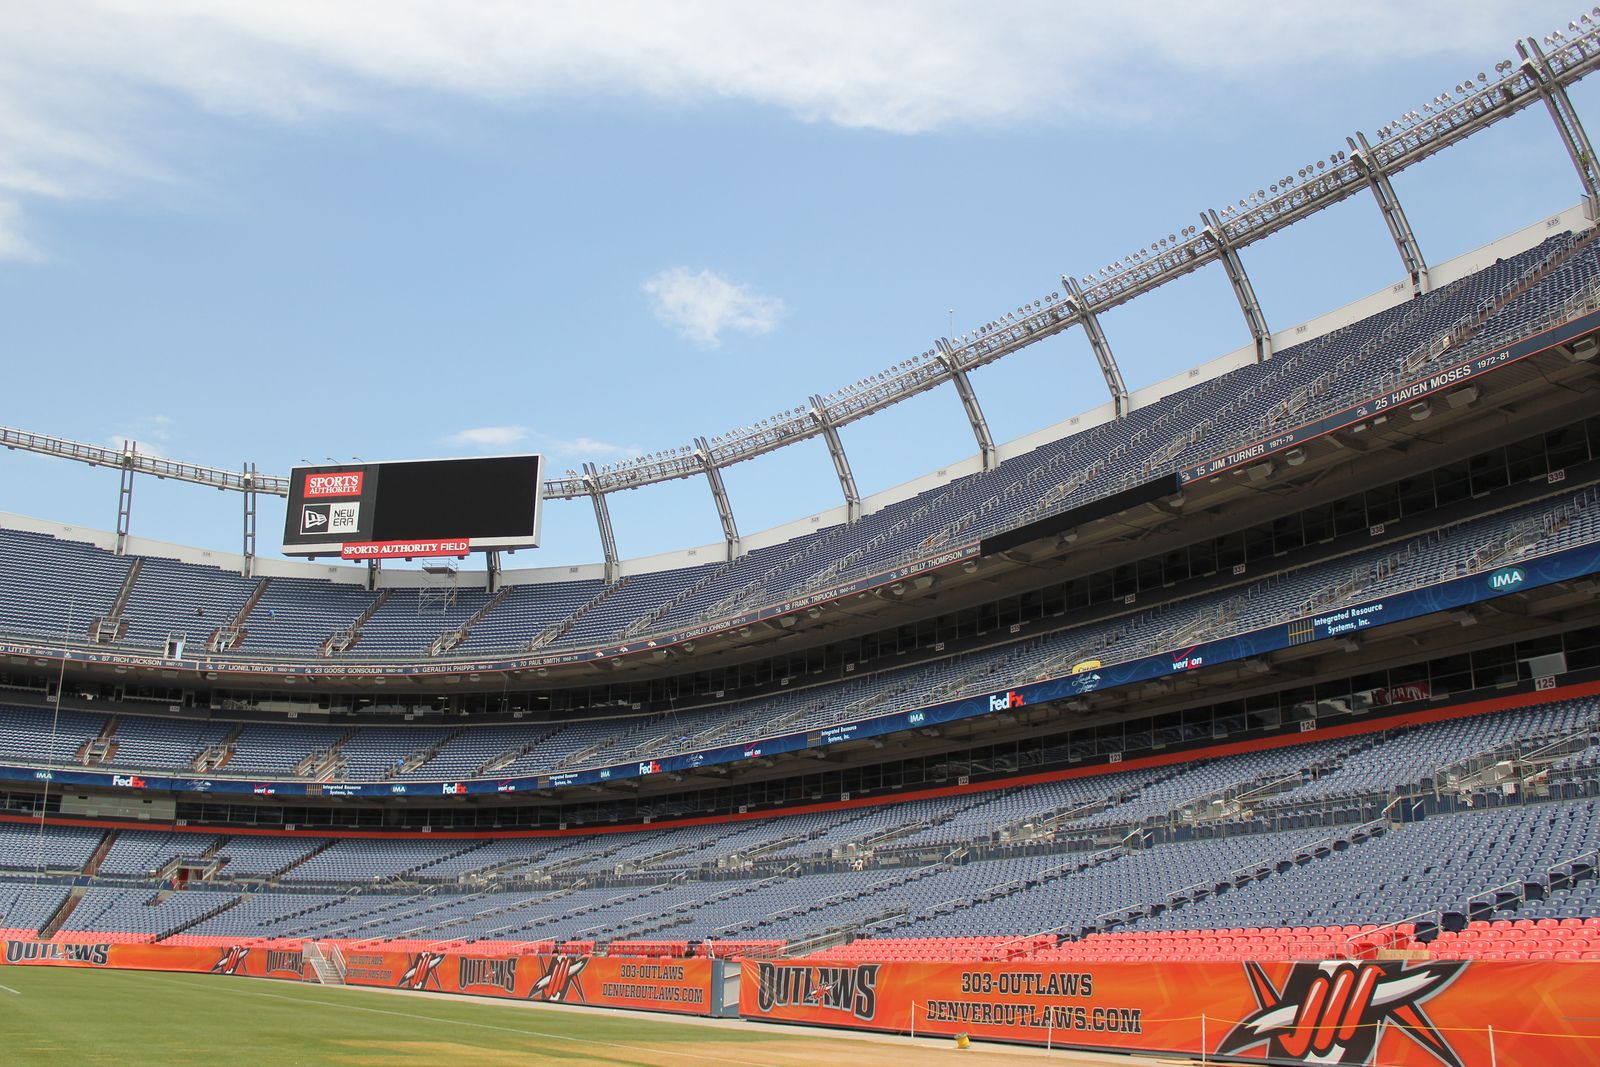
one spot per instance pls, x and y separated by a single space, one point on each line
1355 1013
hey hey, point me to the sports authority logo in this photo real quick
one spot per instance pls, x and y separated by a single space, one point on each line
558 981
332 519
343 483
852 990
1338 1012
230 960
422 971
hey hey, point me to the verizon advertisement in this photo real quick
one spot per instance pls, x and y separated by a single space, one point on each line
415 509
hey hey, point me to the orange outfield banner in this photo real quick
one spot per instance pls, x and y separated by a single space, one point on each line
1357 1013
255 961
683 986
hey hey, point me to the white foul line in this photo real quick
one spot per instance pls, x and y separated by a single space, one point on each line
8 989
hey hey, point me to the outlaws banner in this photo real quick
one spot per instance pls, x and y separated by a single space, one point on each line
255 961
673 985
1358 1013
686 987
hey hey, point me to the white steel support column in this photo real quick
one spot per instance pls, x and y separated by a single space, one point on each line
841 462
125 495
1253 319
1405 241
1102 348
602 519
247 478
1565 117
719 493
969 402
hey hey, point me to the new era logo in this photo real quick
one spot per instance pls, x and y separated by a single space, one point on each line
339 519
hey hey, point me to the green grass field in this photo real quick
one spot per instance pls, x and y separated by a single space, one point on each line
61 1016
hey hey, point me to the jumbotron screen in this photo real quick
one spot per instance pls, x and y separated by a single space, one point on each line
421 508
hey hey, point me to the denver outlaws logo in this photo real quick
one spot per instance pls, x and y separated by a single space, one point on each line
285 962
1337 1012
231 960
847 989
422 971
497 974
559 982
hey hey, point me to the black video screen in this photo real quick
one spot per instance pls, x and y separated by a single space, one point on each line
495 497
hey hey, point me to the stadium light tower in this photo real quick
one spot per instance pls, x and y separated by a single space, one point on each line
1565 116
719 493
818 412
1097 341
130 451
1393 214
1257 323
247 481
969 401
602 519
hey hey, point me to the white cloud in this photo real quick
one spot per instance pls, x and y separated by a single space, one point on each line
702 305
486 437
490 438
589 448
87 87
150 434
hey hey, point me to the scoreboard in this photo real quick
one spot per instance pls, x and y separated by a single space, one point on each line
435 507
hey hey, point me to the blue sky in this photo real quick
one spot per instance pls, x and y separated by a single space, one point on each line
275 231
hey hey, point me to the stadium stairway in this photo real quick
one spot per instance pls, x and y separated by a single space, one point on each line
326 965
225 906
98 856
59 917
282 872
232 635
560 629
347 639
451 639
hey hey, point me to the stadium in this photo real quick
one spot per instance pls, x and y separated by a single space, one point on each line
1251 716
